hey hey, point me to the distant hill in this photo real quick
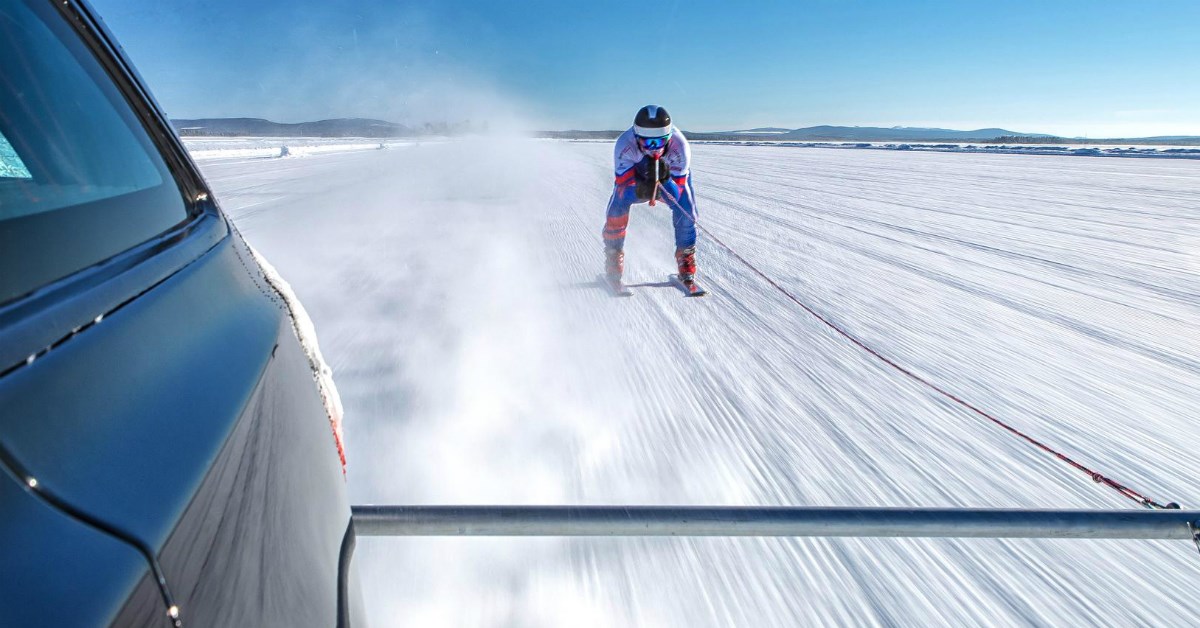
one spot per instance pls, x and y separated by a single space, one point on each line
827 133
365 127
1170 138
338 127
768 129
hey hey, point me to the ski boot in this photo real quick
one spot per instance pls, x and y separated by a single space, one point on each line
614 267
614 264
685 258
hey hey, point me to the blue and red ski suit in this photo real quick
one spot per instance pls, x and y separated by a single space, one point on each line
629 164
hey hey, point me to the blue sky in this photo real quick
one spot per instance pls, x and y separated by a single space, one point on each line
1096 68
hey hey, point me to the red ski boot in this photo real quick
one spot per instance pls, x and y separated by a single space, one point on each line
686 279
686 259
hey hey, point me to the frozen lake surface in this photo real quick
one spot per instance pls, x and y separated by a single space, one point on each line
453 289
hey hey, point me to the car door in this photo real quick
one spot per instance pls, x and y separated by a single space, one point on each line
159 417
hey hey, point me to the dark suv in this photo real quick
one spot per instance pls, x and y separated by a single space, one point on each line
168 453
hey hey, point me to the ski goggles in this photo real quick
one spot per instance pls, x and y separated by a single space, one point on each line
654 143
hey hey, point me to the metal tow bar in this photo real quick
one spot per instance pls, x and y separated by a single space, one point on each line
370 520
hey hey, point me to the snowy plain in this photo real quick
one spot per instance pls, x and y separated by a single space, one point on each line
452 285
241 148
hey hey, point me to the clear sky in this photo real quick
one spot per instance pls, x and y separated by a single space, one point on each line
1096 68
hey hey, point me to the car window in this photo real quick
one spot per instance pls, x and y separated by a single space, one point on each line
80 179
11 166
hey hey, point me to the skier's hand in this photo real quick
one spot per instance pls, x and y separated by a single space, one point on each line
645 189
644 169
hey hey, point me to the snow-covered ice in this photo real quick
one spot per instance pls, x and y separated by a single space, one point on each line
242 148
453 288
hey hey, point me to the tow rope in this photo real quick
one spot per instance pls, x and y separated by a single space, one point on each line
1097 477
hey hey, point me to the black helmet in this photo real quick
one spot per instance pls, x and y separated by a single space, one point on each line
652 121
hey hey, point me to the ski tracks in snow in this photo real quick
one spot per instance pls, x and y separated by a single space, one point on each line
453 289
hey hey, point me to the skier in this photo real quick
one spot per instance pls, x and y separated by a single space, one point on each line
652 162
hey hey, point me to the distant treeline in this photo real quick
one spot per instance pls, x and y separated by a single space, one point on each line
1002 139
731 137
1028 139
381 129
1111 141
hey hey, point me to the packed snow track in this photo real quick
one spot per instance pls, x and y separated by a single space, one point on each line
453 287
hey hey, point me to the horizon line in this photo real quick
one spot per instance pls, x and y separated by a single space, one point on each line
774 129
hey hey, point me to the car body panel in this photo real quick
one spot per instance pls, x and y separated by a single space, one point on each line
172 420
124 419
95 572
270 515
31 325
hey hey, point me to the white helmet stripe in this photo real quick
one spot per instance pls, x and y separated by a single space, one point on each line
643 131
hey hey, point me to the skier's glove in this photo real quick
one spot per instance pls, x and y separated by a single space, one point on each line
644 174
644 170
644 189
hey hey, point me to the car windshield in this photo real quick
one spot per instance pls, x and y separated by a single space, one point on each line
80 180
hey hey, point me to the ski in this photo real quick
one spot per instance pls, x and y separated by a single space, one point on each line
689 288
616 288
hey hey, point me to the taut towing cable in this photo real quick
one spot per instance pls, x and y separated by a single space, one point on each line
1096 476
